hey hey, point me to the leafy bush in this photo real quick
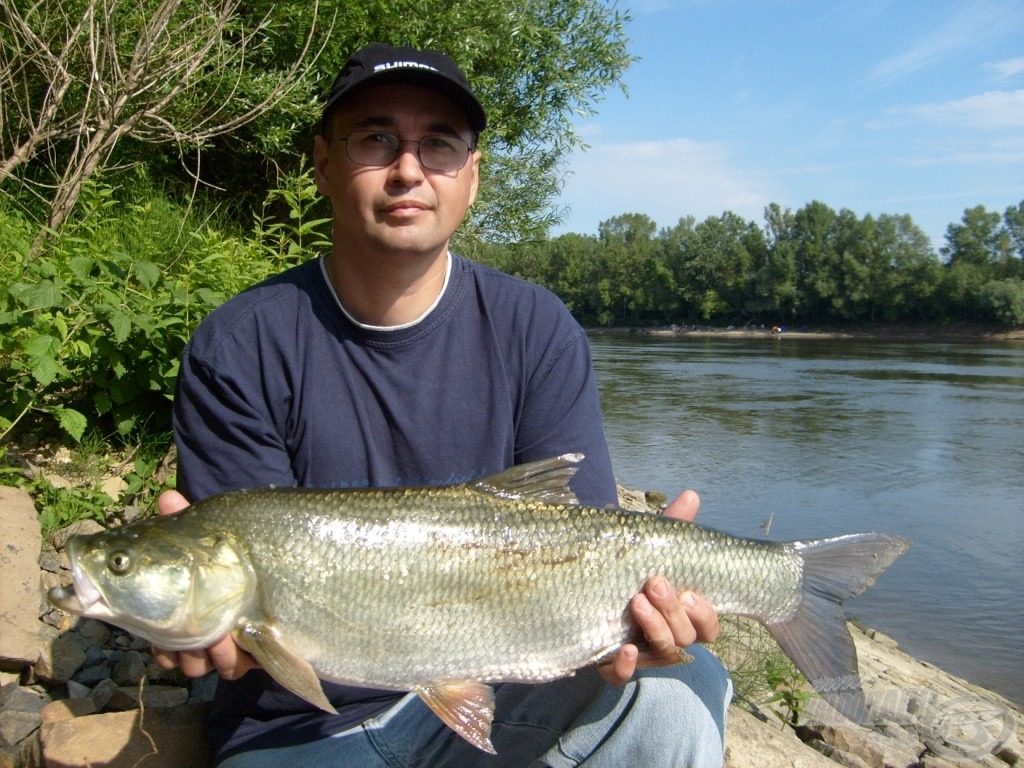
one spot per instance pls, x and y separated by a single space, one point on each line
1003 301
94 317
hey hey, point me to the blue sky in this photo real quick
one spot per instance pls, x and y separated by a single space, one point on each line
879 106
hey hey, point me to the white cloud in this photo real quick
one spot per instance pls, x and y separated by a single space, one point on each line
1008 68
972 23
665 180
991 111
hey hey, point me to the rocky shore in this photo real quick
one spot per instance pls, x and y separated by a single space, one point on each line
79 693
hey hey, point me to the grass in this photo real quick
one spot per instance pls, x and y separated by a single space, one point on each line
102 478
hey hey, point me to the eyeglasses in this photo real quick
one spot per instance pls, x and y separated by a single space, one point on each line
377 150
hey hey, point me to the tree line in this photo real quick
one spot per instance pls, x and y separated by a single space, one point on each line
813 266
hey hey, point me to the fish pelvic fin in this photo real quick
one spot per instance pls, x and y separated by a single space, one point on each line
465 706
815 636
543 481
291 671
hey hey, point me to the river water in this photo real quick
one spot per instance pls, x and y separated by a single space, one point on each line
810 437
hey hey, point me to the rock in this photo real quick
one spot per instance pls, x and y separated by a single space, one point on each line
101 694
61 658
754 743
78 528
93 632
165 737
19 563
869 748
19 713
65 709
130 669
152 696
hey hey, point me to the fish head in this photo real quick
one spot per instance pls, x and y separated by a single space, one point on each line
176 590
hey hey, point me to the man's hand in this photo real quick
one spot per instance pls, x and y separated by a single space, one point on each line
668 621
230 661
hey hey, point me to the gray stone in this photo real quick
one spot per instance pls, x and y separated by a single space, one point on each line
102 693
130 669
151 696
15 727
19 563
76 690
19 713
60 659
49 559
93 632
94 674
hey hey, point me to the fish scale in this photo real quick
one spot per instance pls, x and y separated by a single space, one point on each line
443 591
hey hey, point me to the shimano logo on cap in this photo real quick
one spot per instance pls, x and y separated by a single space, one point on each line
403 65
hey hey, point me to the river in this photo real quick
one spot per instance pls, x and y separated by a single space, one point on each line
805 438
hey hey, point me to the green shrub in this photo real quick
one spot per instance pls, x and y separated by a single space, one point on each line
94 317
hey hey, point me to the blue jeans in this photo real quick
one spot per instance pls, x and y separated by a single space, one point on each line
669 716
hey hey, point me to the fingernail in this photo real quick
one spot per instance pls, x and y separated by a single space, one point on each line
688 599
659 588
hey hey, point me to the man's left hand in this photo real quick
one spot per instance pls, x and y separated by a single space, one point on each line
668 621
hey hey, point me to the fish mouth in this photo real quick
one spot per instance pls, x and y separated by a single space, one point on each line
81 595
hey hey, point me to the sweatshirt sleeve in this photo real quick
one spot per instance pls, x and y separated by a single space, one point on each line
562 414
227 438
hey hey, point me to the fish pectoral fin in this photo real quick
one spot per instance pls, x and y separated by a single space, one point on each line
465 706
294 673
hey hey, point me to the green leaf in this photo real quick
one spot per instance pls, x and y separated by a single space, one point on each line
71 421
121 324
41 295
42 353
148 272
81 267
102 402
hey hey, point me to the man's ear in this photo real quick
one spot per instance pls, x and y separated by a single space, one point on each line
321 153
475 169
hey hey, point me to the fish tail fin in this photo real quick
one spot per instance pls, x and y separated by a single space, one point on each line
815 637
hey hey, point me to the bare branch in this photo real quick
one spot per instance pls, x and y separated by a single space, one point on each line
70 91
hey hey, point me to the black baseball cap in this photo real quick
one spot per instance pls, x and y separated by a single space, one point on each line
379 63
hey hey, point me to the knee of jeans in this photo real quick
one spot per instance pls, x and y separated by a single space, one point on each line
687 689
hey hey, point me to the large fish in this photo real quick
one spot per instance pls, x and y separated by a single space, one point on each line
444 590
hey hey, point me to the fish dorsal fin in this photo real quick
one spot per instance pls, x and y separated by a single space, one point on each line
465 706
294 673
545 481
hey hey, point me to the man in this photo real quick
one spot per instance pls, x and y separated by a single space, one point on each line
391 361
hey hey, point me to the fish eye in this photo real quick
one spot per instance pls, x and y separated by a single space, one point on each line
119 561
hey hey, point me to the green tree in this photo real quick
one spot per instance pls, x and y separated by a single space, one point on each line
978 239
716 265
978 250
912 271
1013 222
632 282
229 92
817 260
773 293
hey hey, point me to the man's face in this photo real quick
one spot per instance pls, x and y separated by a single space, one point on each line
401 208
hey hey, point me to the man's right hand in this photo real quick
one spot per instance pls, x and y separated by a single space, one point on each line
230 661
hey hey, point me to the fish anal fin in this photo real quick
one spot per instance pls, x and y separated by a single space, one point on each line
815 636
544 481
291 671
465 706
